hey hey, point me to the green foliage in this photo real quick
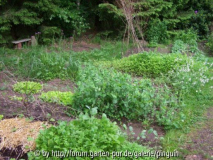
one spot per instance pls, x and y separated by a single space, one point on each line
46 66
64 98
118 96
189 77
188 36
16 98
180 47
210 43
147 64
49 34
27 87
200 21
88 135
186 42
1 117
108 51
157 32
21 18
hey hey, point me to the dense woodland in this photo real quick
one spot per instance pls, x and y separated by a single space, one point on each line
159 20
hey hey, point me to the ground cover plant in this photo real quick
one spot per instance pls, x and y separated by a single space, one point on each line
27 87
86 134
148 64
64 98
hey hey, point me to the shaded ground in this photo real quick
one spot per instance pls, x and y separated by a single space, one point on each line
37 109
201 140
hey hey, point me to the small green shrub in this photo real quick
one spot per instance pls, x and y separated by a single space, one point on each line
210 43
189 77
113 93
147 64
64 98
86 134
157 32
188 36
186 42
48 33
118 95
179 47
27 87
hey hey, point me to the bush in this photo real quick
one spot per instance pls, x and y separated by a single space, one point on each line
113 93
210 43
148 64
189 77
118 95
64 98
157 32
27 87
86 134
186 42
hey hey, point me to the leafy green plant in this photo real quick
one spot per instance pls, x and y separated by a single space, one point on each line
48 34
114 93
179 47
210 43
118 95
1 117
64 98
147 64
16 98
157 32
27 87
86 134
189 77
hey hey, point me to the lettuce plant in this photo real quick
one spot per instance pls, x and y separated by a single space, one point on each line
27 87
64 98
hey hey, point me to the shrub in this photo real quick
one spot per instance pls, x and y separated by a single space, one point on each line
210 43
186 42
64 98
189 77
113 93
27 87
179 47
148 64
118 95
157 32
86 134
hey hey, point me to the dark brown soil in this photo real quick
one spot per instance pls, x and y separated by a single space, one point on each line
36 109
